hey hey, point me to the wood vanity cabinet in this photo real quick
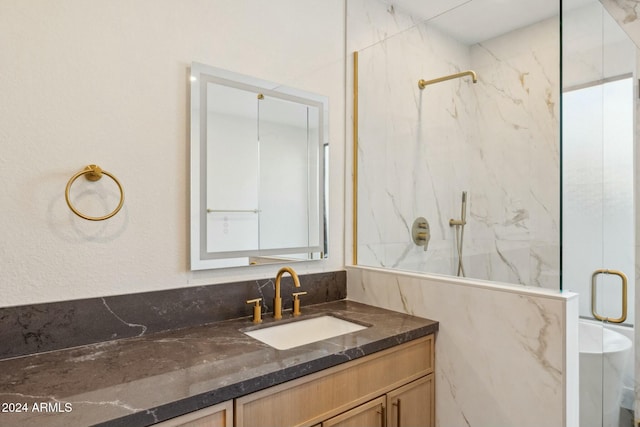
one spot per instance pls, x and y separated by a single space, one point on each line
393 388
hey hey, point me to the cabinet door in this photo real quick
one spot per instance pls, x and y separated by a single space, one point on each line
370 414
220 415
413 405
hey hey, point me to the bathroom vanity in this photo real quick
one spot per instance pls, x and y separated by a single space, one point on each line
393 387
216 375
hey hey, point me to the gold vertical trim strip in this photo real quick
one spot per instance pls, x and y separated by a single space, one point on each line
355 158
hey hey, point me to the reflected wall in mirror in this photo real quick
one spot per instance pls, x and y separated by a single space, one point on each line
258 166
495 141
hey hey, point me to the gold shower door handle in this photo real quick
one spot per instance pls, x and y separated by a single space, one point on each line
623 277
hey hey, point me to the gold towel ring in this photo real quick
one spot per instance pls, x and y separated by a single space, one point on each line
93 173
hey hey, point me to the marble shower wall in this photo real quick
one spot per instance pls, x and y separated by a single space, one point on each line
505 356
514 188
498 140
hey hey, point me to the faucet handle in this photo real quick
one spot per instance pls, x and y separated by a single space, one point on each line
296 302
257 309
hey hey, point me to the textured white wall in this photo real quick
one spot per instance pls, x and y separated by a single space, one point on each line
106 82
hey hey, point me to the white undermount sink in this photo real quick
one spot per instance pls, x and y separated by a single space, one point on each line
300 332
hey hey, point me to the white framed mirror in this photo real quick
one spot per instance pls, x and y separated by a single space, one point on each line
258 169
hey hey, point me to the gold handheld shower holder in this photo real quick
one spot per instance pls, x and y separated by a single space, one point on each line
424 83
93 173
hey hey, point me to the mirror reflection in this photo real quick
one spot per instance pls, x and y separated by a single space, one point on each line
479 162
258 165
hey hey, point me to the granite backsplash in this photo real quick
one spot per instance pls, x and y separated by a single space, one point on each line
38 328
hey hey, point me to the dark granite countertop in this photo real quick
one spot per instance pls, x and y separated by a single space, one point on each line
140 381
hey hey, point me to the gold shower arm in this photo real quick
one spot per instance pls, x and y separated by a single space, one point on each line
423 83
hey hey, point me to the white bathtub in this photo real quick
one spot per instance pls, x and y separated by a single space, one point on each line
604 358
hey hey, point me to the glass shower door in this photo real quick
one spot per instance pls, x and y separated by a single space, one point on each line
614 293
599 233
598 229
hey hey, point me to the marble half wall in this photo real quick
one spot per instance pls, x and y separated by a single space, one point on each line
505 356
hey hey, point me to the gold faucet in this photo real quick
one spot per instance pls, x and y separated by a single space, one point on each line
277 301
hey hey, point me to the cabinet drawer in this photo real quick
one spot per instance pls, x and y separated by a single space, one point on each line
370 414
319 396
220 415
